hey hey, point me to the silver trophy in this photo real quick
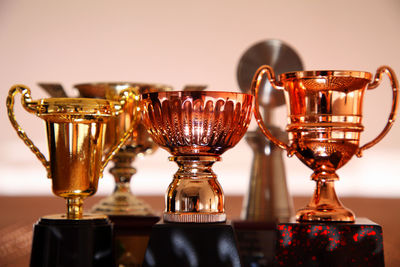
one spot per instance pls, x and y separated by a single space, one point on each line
267 199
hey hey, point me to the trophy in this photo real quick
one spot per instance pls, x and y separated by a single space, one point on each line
122 201
75 134
324 127
267 200
196 127
132 217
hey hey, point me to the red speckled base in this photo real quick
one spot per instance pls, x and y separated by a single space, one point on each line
329 244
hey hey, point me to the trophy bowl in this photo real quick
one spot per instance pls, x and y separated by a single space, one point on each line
122 201
196 127
324 127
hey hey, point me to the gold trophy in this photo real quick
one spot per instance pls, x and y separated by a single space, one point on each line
324 127
196 127
132 217
75 133
122 201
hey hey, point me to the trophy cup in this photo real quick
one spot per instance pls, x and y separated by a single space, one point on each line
267 200
75 133
132 217
324 126
196 127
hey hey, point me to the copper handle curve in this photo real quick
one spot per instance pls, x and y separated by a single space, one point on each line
124 97
255 86
27 102
392 116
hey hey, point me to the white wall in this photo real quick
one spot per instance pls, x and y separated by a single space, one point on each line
181 42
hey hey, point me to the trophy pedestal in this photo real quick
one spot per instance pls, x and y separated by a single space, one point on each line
192 244
330 244
58 241
256 242
131 236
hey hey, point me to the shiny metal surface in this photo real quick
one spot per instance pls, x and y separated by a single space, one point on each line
122 201
196 127
75 134
324 126
267 198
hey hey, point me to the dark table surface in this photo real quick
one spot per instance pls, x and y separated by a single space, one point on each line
20 213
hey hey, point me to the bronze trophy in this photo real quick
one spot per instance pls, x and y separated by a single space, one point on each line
196 127
75 133
324 127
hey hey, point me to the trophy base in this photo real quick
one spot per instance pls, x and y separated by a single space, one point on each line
329 244
123 204
194 217
131 236
58 241
256 242
190 244
310 214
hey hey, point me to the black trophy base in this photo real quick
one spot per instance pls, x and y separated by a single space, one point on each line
330 244
131 236
256 242
191 244
80 243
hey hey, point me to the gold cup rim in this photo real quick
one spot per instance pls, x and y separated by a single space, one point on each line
80 106
326 73
98 89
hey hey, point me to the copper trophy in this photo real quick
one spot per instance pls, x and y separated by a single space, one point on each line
324 127
196 127
75 133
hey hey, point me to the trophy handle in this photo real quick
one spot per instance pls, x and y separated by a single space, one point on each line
124 97
395 87
29 106
255 86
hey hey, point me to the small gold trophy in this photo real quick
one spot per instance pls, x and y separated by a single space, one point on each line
122 201
132 217
75 133
196 127
324 127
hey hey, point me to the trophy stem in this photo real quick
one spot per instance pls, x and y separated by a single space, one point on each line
123 171
195 194
122 202
325 205
74 208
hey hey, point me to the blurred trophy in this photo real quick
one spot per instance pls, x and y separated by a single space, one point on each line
75 133
324 126
132 217
196 127
122 201
267 200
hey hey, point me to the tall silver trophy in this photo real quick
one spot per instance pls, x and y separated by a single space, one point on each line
267 199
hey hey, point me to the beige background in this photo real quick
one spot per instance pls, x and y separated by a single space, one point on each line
181 42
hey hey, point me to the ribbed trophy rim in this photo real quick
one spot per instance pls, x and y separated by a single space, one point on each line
222 94
326 73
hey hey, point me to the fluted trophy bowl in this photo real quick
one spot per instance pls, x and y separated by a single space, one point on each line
324 127
122 201
196 127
